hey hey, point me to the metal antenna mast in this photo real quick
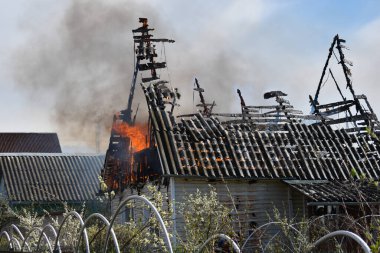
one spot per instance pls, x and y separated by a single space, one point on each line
145 52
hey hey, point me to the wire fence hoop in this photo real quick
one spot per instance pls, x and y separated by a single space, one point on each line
346 233
106 222
223 236
156 213
52 229
79 217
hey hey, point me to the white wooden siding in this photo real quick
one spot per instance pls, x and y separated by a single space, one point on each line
254 202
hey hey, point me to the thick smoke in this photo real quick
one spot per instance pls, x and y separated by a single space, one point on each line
84 65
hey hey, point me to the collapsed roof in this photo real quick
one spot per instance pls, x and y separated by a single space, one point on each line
260 142
268 145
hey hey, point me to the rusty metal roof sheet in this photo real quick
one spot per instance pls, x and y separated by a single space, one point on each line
322 192
29 143
50 177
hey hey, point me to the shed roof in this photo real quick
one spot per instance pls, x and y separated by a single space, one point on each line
51 177
325 192
29 143
264 142
201 146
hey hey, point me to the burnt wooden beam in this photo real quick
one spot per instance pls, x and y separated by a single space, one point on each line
335 104
315 100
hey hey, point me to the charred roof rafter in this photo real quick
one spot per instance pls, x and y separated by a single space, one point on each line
364 120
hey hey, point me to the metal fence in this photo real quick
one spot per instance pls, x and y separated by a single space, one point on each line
50 237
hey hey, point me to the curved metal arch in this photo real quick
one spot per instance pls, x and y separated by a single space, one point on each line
27 236
274 237
8 238
363 217
106 222
17 243
76 215
270 241
345 217
157 214
52 229
356 223
328 215
354 236
366 216
234 245
350 222
265 225
14 227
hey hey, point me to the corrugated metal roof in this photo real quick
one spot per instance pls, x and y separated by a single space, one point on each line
51 177
202 146
273 144
337 191
29 143
258 145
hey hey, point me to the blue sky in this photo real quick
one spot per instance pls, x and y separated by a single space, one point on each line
254 45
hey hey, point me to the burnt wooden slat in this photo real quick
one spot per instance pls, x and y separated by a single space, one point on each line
192 162
340 156
213 124
181 149
313 151
205 153
337 170
190 130
246 153
159 142
212 158
201 128
322 154
169 136
219 159
255 161
238 146
293 132
286 152
206 126
230 147
165 142
261 138
198 156
361 154
195 130
226 157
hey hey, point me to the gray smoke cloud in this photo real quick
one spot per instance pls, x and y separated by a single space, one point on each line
84 63
84 66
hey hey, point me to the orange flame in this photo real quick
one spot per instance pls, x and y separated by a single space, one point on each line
136 133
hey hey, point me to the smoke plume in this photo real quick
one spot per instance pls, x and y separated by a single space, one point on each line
84 64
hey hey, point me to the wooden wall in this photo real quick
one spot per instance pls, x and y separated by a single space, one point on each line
254 201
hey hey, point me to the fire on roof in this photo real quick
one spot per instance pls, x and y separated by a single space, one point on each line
271 142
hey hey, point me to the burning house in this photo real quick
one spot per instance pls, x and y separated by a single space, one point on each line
257 159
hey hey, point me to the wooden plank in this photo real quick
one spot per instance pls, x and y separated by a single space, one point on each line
324 106
198 157
218 159
190 153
